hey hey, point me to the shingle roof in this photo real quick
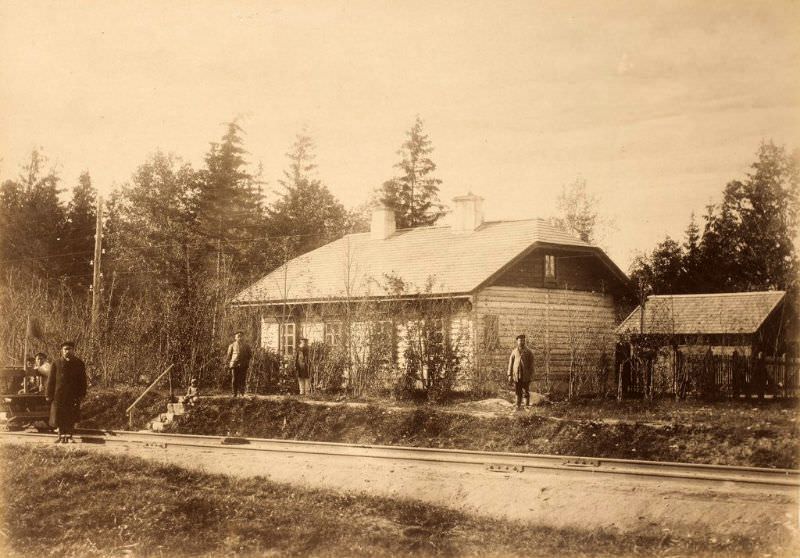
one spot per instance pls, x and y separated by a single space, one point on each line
457 262
719 313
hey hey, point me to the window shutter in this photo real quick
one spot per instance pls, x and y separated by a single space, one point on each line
269 335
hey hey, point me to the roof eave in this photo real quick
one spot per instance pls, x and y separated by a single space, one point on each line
339 300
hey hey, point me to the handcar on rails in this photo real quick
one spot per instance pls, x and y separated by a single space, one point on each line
21 407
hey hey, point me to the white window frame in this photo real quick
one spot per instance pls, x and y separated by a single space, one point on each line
288 333
333 333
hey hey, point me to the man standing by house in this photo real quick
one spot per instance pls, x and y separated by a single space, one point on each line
520 371
238 360
302 367
66 386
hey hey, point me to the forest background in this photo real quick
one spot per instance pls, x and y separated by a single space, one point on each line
179 242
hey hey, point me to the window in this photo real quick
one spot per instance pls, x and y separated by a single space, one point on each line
287 336
436 332
549 267
333 334
491 332
383 341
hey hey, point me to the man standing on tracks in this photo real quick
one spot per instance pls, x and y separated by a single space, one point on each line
66 386
520 371
238 360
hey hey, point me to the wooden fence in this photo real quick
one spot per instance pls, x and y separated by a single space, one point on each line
713 376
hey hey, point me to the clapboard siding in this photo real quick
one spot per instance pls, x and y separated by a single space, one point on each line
553 320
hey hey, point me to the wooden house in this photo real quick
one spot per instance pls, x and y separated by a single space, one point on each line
497 278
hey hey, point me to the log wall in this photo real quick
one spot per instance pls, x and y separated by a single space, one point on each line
560 325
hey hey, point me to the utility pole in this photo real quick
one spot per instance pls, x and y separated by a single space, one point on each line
98 250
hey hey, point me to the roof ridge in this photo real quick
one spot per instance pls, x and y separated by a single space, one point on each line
697 295
485 222
515 220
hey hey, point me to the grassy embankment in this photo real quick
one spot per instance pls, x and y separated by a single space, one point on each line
760 434
64 501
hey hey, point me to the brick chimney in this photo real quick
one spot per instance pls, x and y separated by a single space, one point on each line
468 212
383 224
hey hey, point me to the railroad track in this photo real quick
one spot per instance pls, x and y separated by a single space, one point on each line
498 462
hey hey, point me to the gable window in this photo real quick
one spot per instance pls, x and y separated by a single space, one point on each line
288 338
549 268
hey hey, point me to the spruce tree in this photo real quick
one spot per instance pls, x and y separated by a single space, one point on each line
414 193
692 280
32 219
230 214
79 232
306 215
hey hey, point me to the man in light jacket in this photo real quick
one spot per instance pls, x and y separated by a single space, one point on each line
520 371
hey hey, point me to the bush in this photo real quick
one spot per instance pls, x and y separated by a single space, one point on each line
328 367
267 373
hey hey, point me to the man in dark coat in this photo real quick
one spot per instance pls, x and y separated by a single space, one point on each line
66 386
238 360
302 367
520 371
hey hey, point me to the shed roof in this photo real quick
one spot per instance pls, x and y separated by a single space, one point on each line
710 314
454 262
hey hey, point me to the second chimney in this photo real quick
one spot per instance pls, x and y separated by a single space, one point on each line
383 224
468 213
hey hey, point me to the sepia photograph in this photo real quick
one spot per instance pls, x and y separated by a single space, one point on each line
410 278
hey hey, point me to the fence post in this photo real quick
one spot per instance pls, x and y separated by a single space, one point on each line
784 375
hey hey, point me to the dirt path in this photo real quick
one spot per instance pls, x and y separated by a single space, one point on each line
559 499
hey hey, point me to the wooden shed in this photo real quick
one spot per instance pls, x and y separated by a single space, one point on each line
715 342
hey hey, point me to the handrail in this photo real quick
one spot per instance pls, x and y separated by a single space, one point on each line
129 410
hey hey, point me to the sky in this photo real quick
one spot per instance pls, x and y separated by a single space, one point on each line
656 105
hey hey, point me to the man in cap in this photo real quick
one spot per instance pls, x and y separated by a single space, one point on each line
66 387
238 360
520 371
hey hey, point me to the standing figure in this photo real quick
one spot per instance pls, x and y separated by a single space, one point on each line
520 371
43 367
238 360
66 386
302 367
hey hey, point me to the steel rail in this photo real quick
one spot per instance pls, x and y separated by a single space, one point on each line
492 461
